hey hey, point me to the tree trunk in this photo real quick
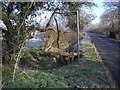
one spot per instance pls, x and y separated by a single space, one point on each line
50 20
58 33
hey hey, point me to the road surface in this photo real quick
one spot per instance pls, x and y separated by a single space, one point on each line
109 51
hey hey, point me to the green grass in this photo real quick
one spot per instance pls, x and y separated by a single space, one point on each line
38 79
89 51
87 72
83 74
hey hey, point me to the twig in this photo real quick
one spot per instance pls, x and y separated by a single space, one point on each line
16 64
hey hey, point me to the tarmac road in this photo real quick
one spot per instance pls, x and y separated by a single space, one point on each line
109 51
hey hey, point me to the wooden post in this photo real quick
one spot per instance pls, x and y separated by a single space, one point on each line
78 32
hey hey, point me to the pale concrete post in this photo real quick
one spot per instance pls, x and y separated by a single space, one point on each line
1 48
1 58
78 34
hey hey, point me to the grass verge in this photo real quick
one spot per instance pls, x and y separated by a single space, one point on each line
88 72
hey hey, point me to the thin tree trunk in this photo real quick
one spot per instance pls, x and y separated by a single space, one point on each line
17 60
58 33
50 20
18 57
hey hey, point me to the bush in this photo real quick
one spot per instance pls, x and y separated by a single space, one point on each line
37 58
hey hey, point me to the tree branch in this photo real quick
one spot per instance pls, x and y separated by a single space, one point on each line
50 20
58 32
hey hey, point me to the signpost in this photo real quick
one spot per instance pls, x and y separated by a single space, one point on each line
78 27
78 33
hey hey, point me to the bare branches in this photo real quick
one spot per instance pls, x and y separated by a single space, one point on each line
24 18
20 51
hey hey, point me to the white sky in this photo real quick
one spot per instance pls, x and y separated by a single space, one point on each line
98 10
43 18
2 25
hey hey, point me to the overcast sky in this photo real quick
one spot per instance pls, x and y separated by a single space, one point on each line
98 10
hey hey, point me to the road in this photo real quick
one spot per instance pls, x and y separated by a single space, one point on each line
109 51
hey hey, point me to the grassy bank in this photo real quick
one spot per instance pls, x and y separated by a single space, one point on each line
86 72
